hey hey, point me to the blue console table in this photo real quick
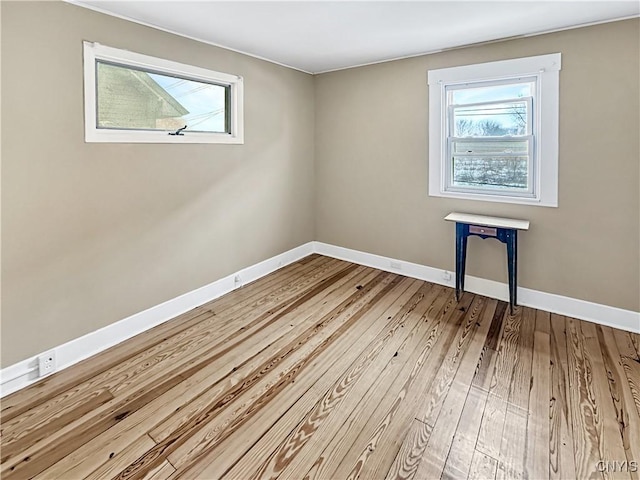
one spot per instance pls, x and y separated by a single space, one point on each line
503 229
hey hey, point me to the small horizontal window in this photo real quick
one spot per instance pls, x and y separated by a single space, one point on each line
136 98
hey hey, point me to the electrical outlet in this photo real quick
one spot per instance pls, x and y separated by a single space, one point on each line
47 363
396 265
446 276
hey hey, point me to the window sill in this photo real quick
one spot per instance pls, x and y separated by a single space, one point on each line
110 136
482 197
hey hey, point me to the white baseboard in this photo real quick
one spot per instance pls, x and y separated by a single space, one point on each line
594 312
25 373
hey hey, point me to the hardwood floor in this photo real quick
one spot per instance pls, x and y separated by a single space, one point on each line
329 370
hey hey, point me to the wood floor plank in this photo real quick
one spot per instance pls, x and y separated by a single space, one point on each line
123 458
625 344
621 396
513 448
434 453
42 425
464 442
309 345
632 370
265 289
538 428
483 467
275 338
585 413
266 296
561 457
411 452
336 439
401 334
493 419
635 339
47 452
197 437
487 361
610 443
161 472
373 450
328 370
460 455
270 447
308 258
90 456
475 325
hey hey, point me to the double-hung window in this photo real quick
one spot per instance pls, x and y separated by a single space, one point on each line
135 98
493 131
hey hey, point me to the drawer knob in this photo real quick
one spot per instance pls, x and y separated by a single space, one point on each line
478 230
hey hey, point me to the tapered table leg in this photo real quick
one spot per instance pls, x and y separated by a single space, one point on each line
512 265
461 257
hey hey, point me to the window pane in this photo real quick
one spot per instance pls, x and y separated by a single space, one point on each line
508 148
491 93
491 172
491 120
135 99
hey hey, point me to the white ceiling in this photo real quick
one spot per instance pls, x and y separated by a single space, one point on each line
319 36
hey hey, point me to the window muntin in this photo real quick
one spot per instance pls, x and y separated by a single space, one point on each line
493 131
131 97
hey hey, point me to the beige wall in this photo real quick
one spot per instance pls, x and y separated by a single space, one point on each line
93 233
371 168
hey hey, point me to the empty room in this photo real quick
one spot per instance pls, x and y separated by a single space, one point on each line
320 240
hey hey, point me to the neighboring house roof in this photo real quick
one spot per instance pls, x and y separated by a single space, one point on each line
133 99
171 107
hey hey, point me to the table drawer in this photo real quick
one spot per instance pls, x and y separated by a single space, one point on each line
477 229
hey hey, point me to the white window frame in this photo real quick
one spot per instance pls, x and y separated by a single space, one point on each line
94 52
544 155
